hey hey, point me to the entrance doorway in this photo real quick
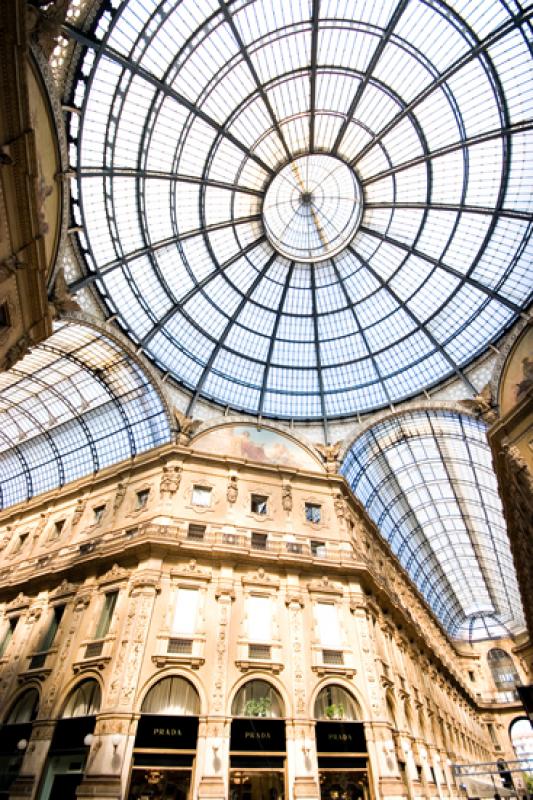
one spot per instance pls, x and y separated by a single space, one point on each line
160 784
345 785
256 784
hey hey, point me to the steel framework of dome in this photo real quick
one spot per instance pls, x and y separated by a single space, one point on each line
293 306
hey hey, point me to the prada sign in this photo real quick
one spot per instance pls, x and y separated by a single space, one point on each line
161 732
340 737
254 735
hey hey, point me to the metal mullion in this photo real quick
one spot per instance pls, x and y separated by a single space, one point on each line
376 55
317 353
224 335
520 215
420 325
479 138
136 69
26 470
105 269
446 268
351 306
273 335
255 76
473 53
219 270
315 16
126 172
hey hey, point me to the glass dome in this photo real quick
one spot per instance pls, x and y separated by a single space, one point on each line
201 123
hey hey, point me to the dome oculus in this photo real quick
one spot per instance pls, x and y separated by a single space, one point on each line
312 208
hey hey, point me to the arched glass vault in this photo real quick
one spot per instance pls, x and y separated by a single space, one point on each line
76 404
426 479
282 303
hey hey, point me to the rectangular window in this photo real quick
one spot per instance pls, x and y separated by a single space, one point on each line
8 635
20 542
313 512
180 647
333 657
57 530
259 541
196 532
259 614
186 611
4 316
259 651
106 615
318 549
48 638
98 513
259 504
142 498
329 632
201 496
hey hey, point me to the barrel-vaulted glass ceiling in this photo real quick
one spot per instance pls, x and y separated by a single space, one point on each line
191 110
426 479
76 404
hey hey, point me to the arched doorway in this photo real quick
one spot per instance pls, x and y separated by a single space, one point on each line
15 734
165 742
521 735
257 744
341 746
71 742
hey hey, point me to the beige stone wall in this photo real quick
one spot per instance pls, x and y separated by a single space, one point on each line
92 537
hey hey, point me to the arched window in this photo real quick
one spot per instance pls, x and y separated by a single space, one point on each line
504 672
334 702
521 734
172 695
24 709
257 699
84 700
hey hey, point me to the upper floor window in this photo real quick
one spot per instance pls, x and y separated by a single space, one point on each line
503 670
98 513
50 633
142 498
4 316
7 635
201 496
106 615
20 541
259 504
57 529
186 611
313 512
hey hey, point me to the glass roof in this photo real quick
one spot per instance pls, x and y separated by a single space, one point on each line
76 404
191 111
426 479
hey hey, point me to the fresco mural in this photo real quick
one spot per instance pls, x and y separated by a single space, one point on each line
256 444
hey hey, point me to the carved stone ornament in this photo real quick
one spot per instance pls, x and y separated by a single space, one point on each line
61 301
191 570
114 574
119 496
324 585
64 589
526 384
482 405
20 602
339 505
170 480
330 454
44 24
79 508
186 427
17 351
260 578
286 497
232 491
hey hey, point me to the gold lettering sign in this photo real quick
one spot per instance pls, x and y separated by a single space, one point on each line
340 737
256 735
167 732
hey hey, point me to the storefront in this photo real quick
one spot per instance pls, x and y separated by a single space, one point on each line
341 747
70 745
14 737
257 744
165 743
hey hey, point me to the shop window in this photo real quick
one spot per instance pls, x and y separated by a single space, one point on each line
313 513
196 532
259 541
8 635
259 504
24 709
172 695
257 698
98 513
334 702
84 700
142 499
201 496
